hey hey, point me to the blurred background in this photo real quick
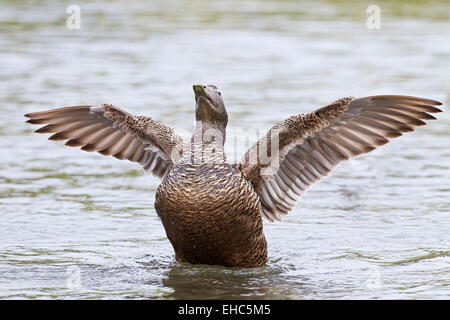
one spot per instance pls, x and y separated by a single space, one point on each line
80 225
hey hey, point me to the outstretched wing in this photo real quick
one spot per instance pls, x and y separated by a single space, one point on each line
112 131
311 145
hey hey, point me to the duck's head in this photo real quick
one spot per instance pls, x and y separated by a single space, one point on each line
210 109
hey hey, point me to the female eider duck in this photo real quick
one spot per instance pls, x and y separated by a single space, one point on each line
212 210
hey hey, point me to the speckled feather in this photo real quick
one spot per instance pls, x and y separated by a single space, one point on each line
311 145
112 131
212 216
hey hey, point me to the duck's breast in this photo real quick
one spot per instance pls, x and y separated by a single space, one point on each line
210 214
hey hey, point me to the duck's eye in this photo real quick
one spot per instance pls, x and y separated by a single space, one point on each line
219 93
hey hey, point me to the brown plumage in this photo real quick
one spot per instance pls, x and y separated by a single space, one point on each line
111 131
211 210
311 145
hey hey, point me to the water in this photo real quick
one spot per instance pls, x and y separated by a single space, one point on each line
80 225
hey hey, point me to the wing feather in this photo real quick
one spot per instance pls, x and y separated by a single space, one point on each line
311 145
112 131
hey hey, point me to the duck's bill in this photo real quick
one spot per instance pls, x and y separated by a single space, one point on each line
199 91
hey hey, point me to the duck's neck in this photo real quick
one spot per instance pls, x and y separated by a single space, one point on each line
207 144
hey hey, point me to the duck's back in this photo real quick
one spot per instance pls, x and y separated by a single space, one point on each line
211 215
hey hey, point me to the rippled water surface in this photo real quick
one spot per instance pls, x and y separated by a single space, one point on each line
80 225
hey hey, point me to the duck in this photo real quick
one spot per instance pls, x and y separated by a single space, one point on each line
213 210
